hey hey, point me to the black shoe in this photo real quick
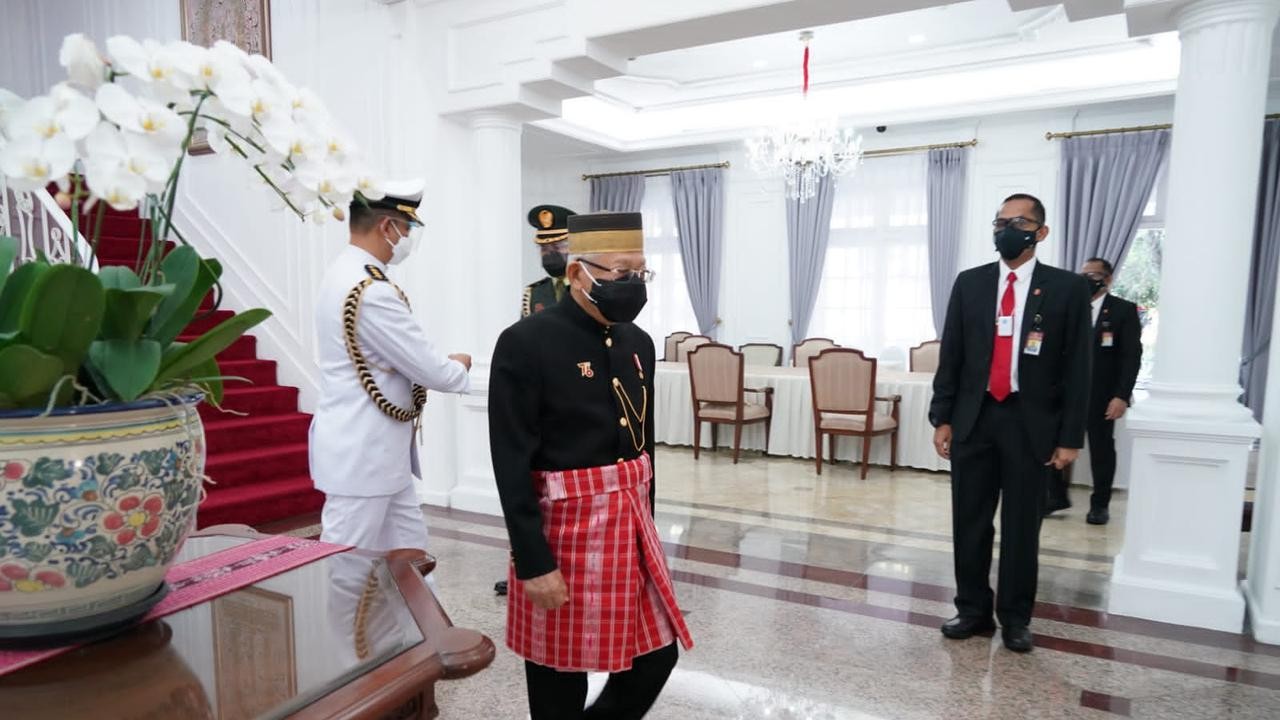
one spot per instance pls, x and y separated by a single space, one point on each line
1098 516
500 587
1055 505
962 628
1017 638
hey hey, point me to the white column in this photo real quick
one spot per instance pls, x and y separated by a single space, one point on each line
1189 442
493 294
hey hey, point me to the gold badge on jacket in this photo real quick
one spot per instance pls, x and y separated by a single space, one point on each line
587 372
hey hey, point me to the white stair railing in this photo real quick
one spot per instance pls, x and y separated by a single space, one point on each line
34 218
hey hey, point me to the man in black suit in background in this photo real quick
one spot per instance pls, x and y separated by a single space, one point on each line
1009 403
1117 357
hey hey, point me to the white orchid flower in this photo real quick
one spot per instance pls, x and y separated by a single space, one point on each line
369 186
32 161
331 181
83 62
146 117
64 111
262 69
112 182
149 61
9 104
110 151
293 141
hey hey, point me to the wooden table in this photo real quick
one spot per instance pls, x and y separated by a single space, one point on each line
353 635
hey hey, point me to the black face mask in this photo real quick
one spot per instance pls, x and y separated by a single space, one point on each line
620 301
1011 242
1096 286
555 264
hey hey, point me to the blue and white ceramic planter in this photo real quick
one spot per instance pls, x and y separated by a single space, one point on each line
95 503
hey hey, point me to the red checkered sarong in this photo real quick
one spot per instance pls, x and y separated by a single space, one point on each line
621 601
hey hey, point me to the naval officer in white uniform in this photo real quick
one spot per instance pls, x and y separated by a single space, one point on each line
376 366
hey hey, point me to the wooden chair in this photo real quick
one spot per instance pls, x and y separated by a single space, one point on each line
670 344
843 382
808 348
762 354
924 357
688 345
719 396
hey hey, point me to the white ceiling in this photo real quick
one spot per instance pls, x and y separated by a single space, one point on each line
960 60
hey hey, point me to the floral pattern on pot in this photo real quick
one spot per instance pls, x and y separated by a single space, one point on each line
79 521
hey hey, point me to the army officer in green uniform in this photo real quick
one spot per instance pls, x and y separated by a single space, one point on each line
552 238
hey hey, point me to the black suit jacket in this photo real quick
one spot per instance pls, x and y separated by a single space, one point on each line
1054 385
1115 368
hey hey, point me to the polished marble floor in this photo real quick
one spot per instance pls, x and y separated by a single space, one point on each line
821 597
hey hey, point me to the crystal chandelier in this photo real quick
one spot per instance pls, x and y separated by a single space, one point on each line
806 149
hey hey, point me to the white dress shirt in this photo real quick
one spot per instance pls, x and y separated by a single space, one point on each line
355 449
1021 286
1096 304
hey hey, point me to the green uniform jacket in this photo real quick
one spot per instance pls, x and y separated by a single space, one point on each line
541 295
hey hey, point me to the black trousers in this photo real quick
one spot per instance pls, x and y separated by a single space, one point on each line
1102 460
994 466
555 695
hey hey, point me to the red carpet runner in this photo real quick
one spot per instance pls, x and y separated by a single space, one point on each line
259 458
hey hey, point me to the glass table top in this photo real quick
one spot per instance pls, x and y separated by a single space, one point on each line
264 651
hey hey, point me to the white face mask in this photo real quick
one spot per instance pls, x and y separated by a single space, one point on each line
403 246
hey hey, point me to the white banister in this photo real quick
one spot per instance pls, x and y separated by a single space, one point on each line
41 227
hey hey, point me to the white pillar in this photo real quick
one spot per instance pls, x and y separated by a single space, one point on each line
1189 442
493 293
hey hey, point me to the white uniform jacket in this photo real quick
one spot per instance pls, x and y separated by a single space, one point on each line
355 449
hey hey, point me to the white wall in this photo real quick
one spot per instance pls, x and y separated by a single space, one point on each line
1012 155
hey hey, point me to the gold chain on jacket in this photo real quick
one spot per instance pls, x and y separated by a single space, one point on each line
350 311
629 409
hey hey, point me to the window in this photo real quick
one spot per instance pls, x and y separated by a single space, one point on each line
1138 278
875 283
669 308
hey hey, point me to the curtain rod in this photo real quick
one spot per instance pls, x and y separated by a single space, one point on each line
657 171
918 148
1112 131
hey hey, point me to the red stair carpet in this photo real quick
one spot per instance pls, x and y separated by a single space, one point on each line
257 456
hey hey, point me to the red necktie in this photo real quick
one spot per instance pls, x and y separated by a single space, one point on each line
1002 356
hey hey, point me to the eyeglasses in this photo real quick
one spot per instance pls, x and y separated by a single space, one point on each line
644 276
1020 223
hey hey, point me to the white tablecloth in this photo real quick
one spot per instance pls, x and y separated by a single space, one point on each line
792 432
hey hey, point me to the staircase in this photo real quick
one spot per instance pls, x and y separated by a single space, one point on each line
257 454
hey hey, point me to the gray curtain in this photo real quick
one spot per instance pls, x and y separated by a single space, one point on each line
1105 183
699 206
621 193
946 185
1262 274
808 229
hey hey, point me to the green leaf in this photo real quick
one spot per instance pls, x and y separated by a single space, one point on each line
85 572
36 552
182 363
8 253
32 517
17 293
191 278
208 376
26 374
119 277
46 473
140 558
128 366
100 547
129 310
63 314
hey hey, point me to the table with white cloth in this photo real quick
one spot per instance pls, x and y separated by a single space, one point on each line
792 431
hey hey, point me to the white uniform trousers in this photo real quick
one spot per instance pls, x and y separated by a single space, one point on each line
379 523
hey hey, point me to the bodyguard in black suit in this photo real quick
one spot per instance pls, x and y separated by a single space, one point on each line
1117 357
1009 403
